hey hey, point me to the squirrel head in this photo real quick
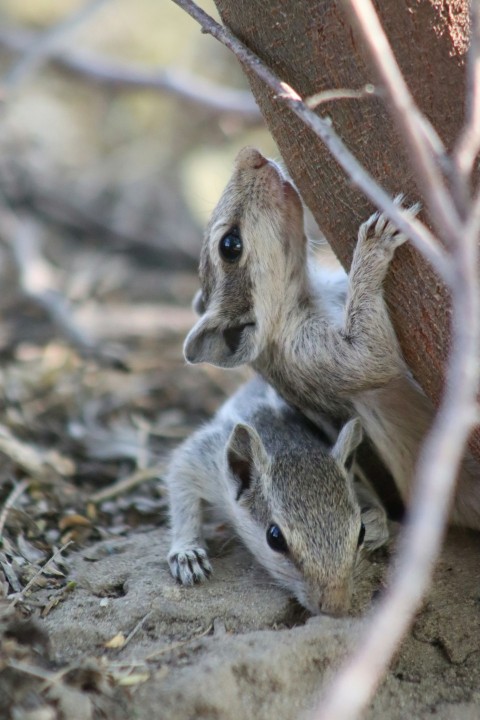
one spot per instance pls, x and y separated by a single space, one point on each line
298 514
253 257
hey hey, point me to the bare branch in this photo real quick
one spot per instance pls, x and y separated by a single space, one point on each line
17 491
38 52
37 282
60 208
44 466
126 484
121 76
468 144
135 630
435 482
426 243
21 595
406 114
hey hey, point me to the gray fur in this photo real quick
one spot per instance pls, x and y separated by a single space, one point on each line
259 462
318 355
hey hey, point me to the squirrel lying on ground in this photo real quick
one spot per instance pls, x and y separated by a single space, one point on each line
291 497
265 302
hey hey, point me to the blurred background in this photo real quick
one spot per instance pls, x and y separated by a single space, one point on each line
119 122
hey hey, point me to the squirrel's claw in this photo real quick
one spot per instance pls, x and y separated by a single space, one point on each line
190 565
379 229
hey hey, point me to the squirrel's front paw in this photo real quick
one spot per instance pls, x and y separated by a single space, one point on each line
381 232
190 565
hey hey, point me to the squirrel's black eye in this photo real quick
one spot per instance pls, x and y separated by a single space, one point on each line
361 534
231 246
276 540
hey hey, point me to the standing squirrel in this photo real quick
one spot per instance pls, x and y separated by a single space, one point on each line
264 301
294 500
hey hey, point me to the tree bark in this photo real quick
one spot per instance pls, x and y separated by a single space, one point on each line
311 45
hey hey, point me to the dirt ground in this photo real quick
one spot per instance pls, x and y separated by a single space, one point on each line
127 642
238 648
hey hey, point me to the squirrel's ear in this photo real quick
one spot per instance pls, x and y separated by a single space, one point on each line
373 514
245 453
204 343
197 303
347 442
210 341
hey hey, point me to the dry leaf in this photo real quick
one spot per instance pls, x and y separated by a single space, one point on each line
134 679
117 641
71 521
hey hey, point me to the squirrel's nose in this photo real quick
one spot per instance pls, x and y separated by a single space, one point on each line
335 606
250 159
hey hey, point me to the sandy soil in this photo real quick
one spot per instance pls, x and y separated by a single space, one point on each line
238 647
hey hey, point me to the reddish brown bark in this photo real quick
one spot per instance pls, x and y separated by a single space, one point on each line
310 45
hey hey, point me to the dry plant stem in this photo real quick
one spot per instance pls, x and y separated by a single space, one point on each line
37 53
441 455
44 568
405 113
37 282
29 670
135 630
126 484
17 491
177 645
118 75
468 144
61 210
41 465
426 243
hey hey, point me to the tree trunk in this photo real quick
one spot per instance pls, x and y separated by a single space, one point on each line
311 45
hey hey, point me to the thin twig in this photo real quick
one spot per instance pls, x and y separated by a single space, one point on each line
43 465
439 460
37 53
135 630
36 672
21 595
118 75
367 91
426 243
61 210
17 491
407 116
37 282
176 645
468 144
126 484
